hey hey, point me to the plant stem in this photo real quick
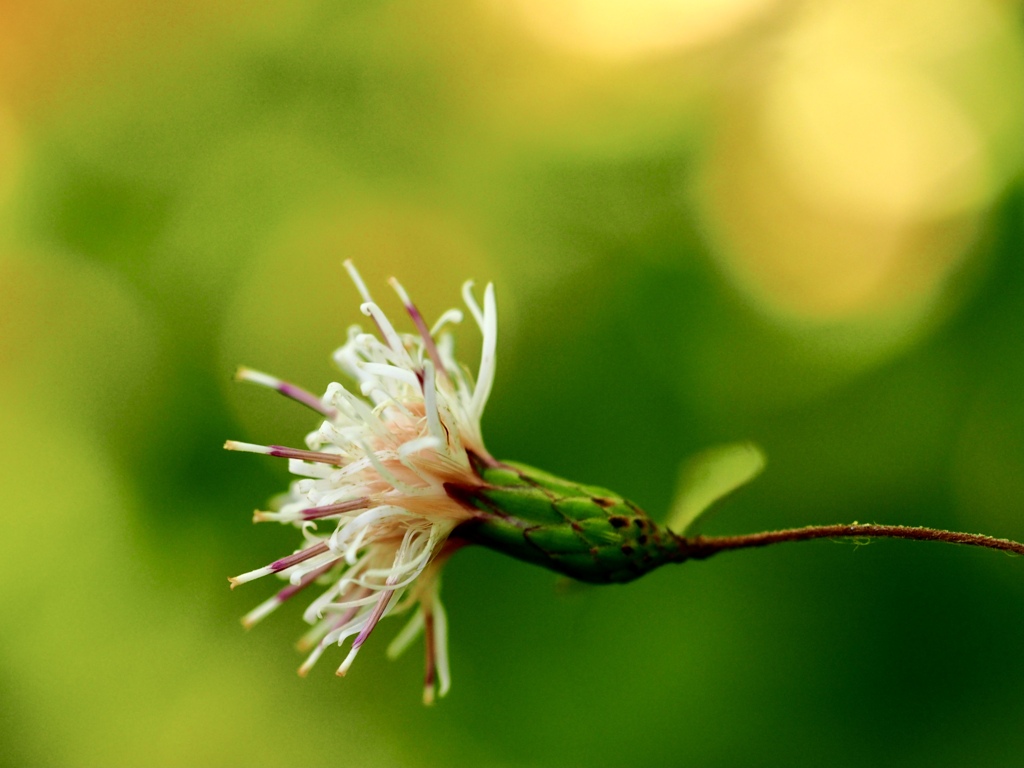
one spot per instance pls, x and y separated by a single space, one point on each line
702 547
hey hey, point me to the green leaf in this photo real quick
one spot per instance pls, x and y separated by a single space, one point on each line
710 475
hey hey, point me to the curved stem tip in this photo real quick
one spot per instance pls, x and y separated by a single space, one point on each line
703 547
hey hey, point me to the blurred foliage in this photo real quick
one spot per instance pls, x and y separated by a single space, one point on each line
708 221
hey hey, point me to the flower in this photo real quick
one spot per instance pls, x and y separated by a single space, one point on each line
371 503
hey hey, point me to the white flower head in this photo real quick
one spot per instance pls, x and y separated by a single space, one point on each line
371 502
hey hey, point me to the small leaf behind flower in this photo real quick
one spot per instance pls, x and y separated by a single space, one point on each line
710 475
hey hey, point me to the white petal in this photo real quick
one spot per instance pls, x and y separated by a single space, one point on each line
485 378
444 675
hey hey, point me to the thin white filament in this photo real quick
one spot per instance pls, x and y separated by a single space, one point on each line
405 638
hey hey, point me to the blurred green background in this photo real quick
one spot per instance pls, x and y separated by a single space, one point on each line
708 220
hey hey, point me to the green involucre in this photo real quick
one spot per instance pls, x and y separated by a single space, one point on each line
589 533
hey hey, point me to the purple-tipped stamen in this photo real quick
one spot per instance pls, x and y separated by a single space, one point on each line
257 614
284 452
371 622
315 513
287 389
378 613
279 565
430 675
299 557
421 326
293 589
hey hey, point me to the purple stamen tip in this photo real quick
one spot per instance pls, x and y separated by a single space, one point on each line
341 507
298 557
283 451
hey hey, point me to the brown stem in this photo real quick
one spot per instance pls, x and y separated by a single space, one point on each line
702 547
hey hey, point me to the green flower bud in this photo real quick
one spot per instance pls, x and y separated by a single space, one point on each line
588 533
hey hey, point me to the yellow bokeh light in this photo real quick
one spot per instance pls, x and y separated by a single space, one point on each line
810 262
871 139
861 114
852 166
620 30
